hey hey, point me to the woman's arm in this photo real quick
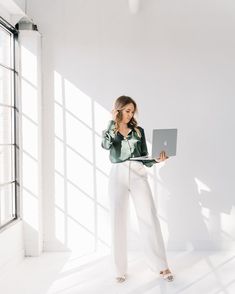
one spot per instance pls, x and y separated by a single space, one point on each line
144 150
108 135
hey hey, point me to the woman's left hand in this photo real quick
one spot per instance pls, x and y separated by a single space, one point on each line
162 157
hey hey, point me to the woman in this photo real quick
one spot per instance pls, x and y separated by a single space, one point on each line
125 139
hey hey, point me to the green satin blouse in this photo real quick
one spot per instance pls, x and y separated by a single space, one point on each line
121 148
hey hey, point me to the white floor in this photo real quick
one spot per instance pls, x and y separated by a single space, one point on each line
66 273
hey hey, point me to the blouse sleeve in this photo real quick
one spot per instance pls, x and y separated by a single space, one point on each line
108 135
144 151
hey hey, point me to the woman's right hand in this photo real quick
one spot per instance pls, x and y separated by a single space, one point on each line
162 157
114 114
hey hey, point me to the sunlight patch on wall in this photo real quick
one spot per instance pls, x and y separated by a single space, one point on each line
60 220
59 191
78 103
102 156
201 186
29 100
30 210
29 66
58 88
80 172
81 208
101 117
30 176
79 239
59 156
59 118
102 189
79 137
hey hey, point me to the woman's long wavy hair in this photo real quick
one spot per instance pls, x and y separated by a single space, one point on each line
119 105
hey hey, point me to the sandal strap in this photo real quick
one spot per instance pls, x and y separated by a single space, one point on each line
167 276
121 279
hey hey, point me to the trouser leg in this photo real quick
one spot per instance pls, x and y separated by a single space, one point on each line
118 196
148 221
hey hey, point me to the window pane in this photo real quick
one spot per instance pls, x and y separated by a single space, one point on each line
7 203
5 47
16 163
6 123
6 83
7 164
8 128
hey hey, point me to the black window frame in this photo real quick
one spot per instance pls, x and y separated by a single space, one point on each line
15 70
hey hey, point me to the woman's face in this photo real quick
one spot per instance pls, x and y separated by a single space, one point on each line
128 112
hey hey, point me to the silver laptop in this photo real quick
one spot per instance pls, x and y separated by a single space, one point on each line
162 140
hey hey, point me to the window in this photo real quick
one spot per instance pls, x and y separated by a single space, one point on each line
9 113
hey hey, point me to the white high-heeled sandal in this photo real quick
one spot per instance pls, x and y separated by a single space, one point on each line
121 279
167 276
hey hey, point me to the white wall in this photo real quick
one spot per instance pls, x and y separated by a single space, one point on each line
176 59
30 152
12 10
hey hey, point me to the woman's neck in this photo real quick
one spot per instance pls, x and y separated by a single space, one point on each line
123 125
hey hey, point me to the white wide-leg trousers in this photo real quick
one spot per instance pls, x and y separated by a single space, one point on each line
131 177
